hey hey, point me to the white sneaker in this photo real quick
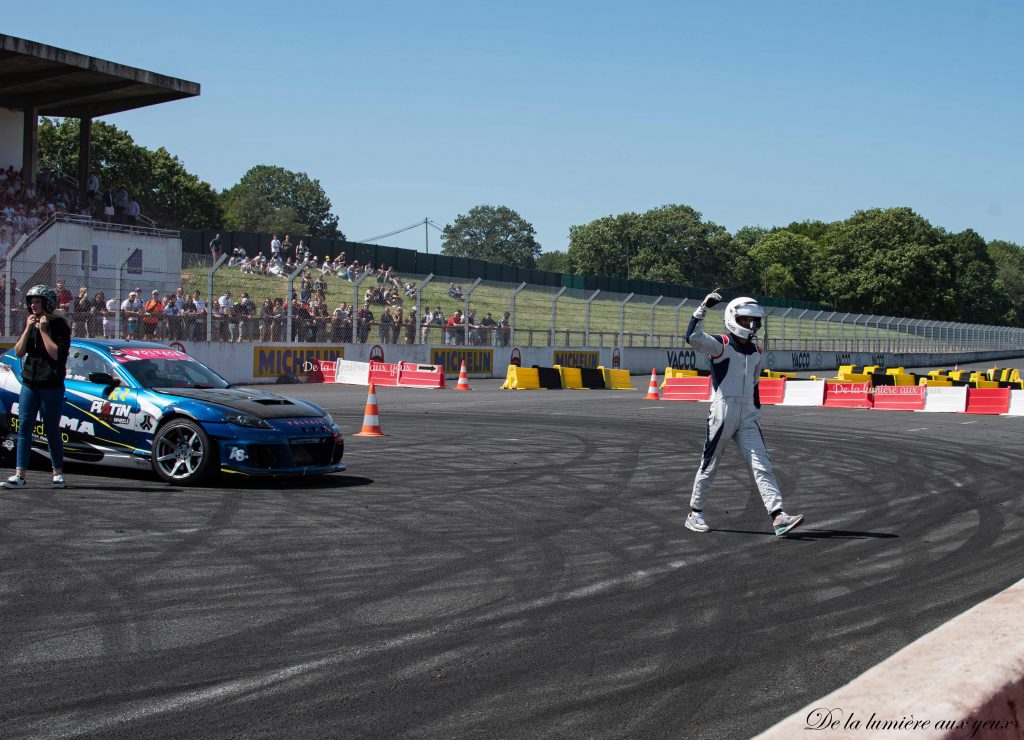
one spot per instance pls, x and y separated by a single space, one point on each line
58 481
695 521
784 522
15 481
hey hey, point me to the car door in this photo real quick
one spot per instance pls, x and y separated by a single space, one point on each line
101 420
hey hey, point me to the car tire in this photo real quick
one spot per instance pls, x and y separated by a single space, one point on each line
183 453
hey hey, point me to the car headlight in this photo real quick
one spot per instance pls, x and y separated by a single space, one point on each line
244 420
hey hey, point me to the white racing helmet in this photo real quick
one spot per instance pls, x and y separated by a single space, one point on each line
743 307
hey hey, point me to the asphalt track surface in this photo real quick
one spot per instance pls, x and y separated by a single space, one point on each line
501 565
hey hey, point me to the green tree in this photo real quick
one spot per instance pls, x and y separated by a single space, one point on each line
671 244
1008 259
497 234
273 199
779 264
974 275
166 191
555 262
885 261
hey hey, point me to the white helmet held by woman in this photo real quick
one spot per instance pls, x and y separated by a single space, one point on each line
743 307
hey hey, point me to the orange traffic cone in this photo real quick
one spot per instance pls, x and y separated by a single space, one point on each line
463 380
652 389
371 422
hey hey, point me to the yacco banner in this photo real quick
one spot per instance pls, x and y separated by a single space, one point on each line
271 361
565 358
477 360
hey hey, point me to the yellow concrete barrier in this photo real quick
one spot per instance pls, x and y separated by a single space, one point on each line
854 377
572 378
616 380
895 371
870 369
900 379
844 369
521 379
935 382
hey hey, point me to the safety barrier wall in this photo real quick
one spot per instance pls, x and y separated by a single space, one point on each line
945 690
264 362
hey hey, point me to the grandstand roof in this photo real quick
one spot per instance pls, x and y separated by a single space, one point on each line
58 82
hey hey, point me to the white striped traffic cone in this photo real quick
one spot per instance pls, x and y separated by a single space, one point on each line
652 389
463 379
371 421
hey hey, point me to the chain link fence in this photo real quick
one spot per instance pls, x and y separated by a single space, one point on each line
231 298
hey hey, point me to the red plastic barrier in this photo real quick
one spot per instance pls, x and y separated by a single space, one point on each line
383 373
988 400
847 395
411 374
900 397
687 389
771 390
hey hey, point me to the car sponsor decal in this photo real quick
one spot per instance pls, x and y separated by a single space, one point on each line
144 353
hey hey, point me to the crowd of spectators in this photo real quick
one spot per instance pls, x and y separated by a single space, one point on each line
187 316
23 207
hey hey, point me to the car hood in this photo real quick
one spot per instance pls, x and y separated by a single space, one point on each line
247 401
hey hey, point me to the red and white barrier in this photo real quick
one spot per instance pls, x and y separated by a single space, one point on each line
988 400
771 390
1016 403
403 374
687 389
946 399
845 395
900 397
804 393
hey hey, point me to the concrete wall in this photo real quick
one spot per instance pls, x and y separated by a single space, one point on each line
11 134
964 679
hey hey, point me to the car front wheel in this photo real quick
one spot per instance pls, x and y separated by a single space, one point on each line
182 452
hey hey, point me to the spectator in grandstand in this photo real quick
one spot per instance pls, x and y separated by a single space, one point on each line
92 185
266 320
198 328
132 309
454 331
227 322
410 291
396 329
64 296
152 313
364 319
108 206
244 312
387 323
275 246
487 327
409 326
120 204
505 329
170 319
110 319
287 252
132 215
97 311
80 314
454 291
216 249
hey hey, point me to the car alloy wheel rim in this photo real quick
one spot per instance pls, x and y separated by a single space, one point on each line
180 452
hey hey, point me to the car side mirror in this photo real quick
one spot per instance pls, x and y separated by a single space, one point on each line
104 379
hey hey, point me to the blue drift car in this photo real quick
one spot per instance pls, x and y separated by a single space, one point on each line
141 404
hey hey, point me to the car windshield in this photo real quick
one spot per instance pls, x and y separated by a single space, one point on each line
169 373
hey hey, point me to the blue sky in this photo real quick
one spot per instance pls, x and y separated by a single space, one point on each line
753 113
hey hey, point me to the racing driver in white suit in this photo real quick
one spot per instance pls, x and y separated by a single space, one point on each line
735 407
